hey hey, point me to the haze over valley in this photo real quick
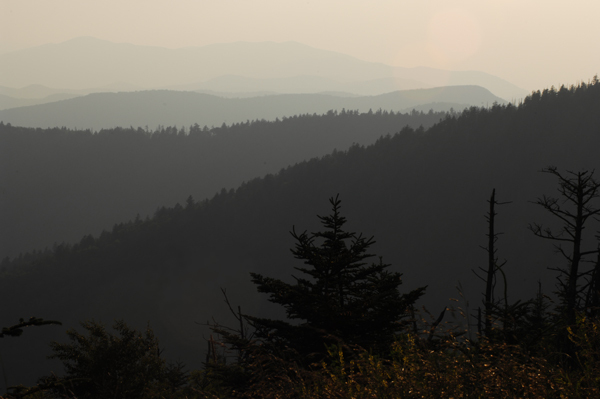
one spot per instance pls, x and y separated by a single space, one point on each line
287 67
150 109
151 156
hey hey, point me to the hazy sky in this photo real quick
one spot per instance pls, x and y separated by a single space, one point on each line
532 43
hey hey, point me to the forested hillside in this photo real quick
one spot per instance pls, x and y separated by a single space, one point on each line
422 193
167 108
60 184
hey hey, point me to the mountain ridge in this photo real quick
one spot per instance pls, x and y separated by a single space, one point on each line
163 107
84 62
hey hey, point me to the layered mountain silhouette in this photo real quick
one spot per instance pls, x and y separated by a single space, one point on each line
12 102
289 67
421 193
153 108
59 184
228 84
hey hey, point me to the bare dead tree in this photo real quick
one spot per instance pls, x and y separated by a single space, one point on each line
592 298
17 329
493 266
575 206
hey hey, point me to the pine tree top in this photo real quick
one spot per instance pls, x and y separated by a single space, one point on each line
341 295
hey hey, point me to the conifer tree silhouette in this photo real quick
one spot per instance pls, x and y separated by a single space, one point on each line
341 297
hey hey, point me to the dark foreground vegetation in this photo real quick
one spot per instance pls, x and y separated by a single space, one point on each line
350 333
346 324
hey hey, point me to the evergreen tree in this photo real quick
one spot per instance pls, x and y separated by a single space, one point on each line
341 299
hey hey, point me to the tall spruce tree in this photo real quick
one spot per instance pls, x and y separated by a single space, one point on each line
341 298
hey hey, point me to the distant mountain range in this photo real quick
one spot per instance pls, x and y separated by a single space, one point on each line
7 102
289 67
303 84
168 108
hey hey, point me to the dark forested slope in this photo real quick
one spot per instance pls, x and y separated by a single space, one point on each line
421 193
58 185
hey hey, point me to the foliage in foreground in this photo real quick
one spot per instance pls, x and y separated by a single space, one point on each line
416 368
363 350
101 364
507 361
